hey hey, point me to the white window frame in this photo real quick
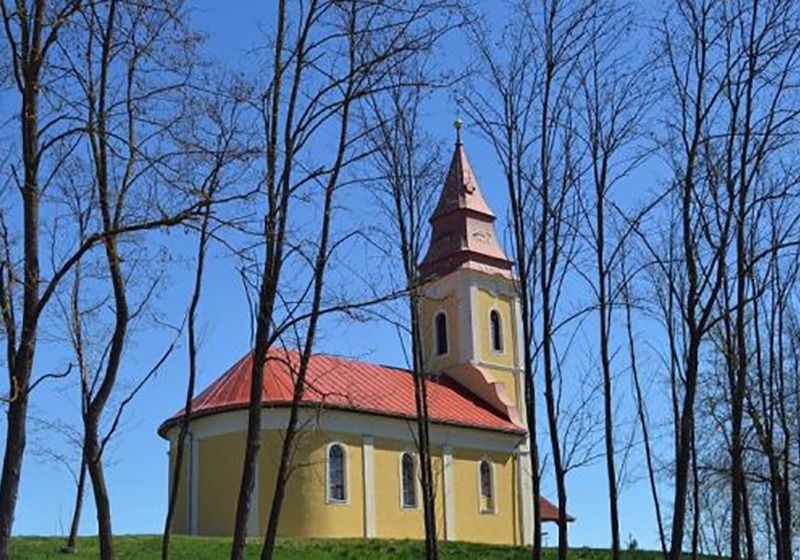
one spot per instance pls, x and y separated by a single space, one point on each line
493 481
346 458
415 478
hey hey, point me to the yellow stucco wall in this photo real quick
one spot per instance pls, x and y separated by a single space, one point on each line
472 524
393 521
503 365
430 306
488 301
306 512
220 473
179 520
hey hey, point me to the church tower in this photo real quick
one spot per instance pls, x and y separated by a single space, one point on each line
470 312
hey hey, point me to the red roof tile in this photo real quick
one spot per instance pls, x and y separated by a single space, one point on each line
550 511
347 384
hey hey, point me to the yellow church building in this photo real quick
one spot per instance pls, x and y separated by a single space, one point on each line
356 466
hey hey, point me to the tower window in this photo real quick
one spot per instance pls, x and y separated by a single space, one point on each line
337 488
496 328
408 481
487 486
440 324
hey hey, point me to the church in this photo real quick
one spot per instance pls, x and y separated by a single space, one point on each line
356 470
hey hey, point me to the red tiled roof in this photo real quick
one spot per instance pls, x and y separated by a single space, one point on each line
550 511
342 383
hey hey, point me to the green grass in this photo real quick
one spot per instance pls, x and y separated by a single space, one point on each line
207 548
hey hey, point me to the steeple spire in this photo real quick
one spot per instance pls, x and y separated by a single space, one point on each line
463 233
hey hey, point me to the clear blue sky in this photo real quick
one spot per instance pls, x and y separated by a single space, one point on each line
137 473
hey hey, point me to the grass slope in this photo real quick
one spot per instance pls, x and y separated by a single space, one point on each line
207 548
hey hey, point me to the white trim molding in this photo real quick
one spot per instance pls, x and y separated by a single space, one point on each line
368 454
474 324
449 494
525 494
351 422
519 358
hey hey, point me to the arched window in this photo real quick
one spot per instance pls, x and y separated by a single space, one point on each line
487 486
337 487
408 480
496 328
440 324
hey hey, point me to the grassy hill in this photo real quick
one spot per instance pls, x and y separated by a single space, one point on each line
204 548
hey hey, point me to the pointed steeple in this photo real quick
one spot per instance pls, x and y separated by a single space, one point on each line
463 233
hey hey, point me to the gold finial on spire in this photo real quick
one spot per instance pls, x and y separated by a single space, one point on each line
458 124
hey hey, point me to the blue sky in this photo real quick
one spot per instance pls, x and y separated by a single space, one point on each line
137 473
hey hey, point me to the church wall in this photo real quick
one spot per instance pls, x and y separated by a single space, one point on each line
499 364
487 301
392 520
306 513
179 520
220 441
221 459
447 301
471 523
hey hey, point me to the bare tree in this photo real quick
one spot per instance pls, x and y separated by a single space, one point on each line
641 407
224 112
732 113
408 169
562 32
614 101
129 91
30 32
341 52
504 112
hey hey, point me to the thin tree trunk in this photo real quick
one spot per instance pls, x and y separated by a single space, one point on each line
187 410
72 540
320 266
640 411
605 359
19 369
273 231
547 265
95 466
695 500
683 459
421 403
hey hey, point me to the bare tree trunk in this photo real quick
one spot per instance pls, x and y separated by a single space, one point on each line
274 228
641 411
72 539
604 319
320 267
202 250
696 513
93 459
423 424
28 59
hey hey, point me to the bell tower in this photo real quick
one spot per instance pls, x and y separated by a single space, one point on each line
470 311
